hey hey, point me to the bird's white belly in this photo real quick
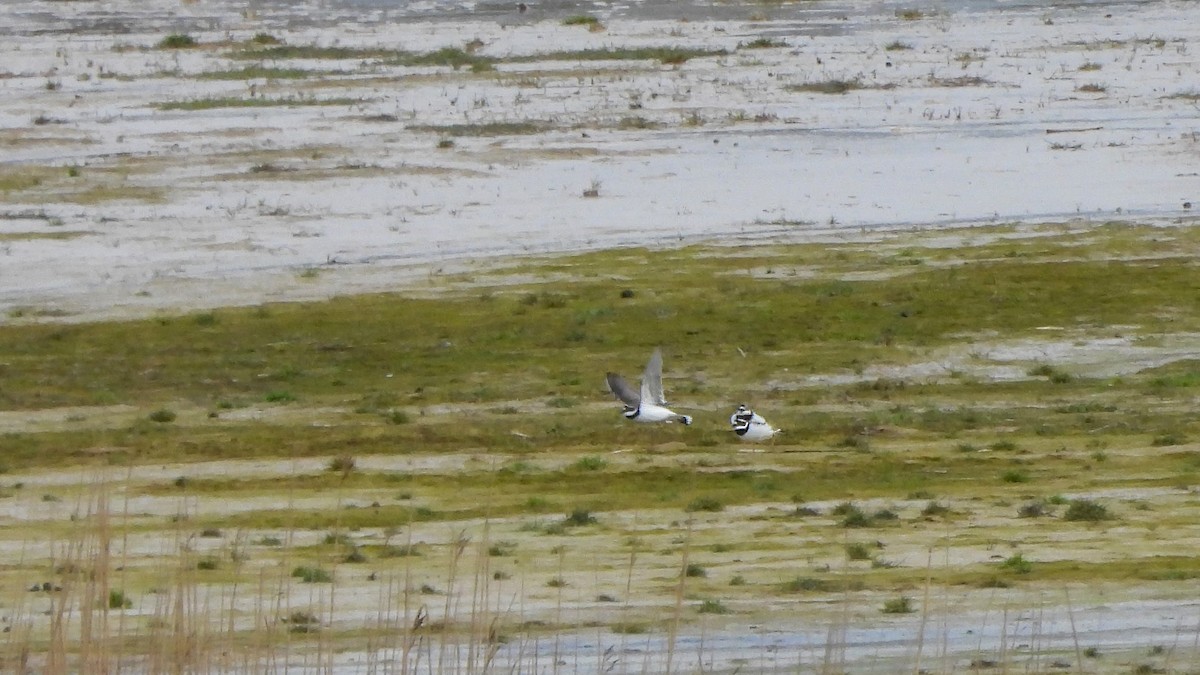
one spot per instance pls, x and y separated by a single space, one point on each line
757 432
654 413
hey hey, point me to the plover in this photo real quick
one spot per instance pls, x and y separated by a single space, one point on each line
750 426
649 406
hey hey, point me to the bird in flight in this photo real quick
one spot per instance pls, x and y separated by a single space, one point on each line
648 405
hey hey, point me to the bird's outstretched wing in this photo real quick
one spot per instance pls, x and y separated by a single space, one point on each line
621 389
652 389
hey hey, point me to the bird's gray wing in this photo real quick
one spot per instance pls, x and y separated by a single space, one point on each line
652 389
621 389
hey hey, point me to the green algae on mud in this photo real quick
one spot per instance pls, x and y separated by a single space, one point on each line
544 339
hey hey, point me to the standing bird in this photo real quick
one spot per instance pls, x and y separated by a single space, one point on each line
649 406
750 426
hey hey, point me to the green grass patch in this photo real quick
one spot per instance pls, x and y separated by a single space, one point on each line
177 41
284 52
665 55
763 43
312 575
1086 510
899 605
834 86
582 20
61 235
261 72
522 128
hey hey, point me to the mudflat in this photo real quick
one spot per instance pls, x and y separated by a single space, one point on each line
305 310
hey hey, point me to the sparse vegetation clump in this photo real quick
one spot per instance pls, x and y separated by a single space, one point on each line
1034 509
312 575
1014 476
254 102
453 57
258 72
1017 564
484 129
279 396
591 22
833 86
302 622
710 504
858 551
177 41
762 43
664 55
590 463
935 509
808 584
1168 439
853 516
162 416
1049 372
342 464
898 605
1086 510
579 517
118 600
713 606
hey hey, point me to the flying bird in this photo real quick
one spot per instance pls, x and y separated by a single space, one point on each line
649 405
750 426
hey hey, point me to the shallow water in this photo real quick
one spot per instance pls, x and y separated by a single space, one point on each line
1037 639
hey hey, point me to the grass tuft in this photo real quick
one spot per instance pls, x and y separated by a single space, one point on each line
177 41
162 416
858 551
899 605
579 518
1086 510
762 43
710 504
312 575
590 463
711 606
1017 564
118 600
592 23
833 86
